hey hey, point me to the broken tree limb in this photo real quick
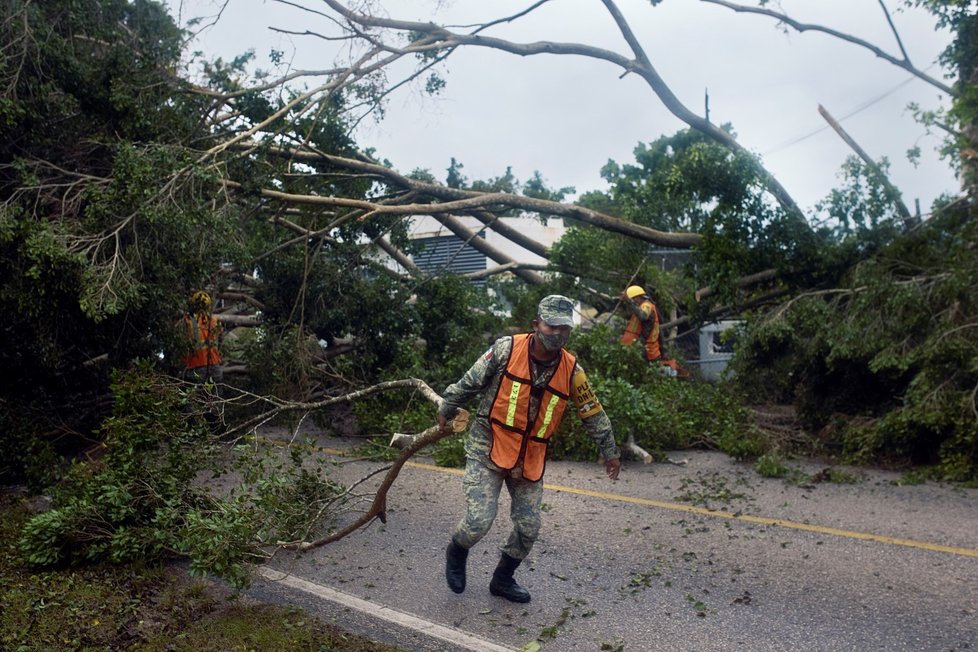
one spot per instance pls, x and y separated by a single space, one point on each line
402 259
238 320
637 450
281 406
378 509
478 243
742 282
894 193
513 235
457 201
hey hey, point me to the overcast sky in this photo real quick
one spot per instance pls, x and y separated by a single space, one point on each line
566 116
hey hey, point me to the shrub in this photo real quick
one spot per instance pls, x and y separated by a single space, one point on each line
142 501
659 412
883 367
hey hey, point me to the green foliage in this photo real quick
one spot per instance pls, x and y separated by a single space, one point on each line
140 501
708 489
450 452
861 215
124 507
25 458
679 181
884 366
661 413
283 493
687 182
771 465
456 321
445 329
106 221
113 607
960 60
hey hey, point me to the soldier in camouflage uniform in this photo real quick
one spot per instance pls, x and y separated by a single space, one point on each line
496 375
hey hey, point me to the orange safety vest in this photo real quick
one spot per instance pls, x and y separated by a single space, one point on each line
514 439
203 331
637 327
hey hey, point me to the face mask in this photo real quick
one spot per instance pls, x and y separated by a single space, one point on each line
552 342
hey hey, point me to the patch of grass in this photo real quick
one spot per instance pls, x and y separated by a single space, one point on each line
698 605
771 466
260 627
840 476
151 609
618 645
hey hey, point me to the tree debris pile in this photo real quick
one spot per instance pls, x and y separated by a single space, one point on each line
885 366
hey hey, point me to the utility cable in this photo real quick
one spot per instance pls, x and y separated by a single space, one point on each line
862 107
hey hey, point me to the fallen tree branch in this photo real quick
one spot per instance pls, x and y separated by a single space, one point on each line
284 407
471 238
471 202
895 194
637 450
378 508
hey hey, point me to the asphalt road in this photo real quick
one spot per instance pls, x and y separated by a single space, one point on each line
706 555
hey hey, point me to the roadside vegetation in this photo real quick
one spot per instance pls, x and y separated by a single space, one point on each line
133 173
145 607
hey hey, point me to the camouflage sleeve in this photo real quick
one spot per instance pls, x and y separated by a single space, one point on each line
475 380
595 420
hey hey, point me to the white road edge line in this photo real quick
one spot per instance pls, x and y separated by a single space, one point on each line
453 636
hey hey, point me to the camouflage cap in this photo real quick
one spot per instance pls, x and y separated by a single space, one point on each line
556 310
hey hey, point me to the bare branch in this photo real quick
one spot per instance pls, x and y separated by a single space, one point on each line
745 281
479 244
896 34
469 202
804 27
513 235
378 508
443 38
398 255
504 268
283 407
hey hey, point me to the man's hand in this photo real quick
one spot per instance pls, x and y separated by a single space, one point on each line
612 467
442 421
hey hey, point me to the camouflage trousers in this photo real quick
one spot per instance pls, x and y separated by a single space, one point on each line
481 486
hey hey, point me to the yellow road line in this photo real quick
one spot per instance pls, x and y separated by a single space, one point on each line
761 520
702 511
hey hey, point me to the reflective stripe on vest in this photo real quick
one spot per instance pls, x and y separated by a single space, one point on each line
514 397
201 330
514 439
548 415
648 330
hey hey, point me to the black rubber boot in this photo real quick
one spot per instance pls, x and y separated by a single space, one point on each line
455 556
503 584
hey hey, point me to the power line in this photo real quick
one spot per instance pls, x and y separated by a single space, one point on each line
862 107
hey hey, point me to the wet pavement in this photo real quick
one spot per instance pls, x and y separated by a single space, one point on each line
702 555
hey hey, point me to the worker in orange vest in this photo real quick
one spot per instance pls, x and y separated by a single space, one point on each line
203 362
526 382
643 324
